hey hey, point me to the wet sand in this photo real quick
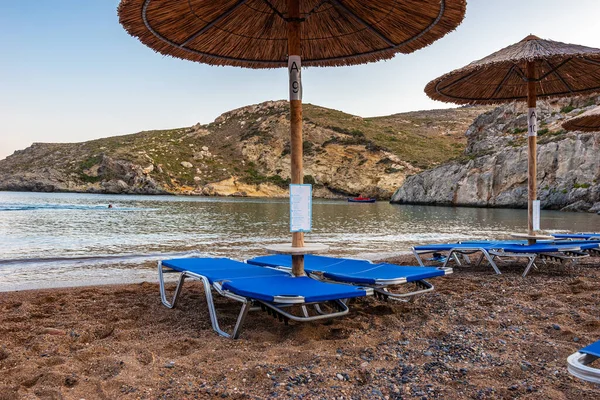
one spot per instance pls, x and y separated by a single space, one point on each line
477 336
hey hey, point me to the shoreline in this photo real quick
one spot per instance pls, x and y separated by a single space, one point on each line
341 198
183 194
477 335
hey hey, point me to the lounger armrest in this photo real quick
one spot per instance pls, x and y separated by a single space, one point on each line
422 287
577 366
368 290
288 299
447 270
389 282
300 300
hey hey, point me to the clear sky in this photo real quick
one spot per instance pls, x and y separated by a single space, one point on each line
69 72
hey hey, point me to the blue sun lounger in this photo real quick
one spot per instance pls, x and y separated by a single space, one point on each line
498 249
578 363
380 277
578 236
568 249
452 251
277 292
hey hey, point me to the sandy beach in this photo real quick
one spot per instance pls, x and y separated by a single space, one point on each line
478 335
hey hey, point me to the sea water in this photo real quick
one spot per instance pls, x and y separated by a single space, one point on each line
66 239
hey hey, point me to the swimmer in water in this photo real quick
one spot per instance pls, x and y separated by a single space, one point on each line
110 206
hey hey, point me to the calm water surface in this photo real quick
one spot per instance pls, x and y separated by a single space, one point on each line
50 240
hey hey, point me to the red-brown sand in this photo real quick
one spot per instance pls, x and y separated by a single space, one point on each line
477 336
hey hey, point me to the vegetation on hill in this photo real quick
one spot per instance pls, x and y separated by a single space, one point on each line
248 147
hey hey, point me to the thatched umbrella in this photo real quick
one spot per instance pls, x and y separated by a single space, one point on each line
589 121
288 33
532 68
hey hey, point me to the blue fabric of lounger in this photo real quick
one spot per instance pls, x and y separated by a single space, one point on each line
312 264
530 248
379 273
508 246
450 246
583 236
587 246
593 349
352 271
581 244
502 242
277 260
545 248
571 243
524 242
267 288
217 269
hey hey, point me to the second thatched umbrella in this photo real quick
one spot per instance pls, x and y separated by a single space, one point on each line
286 33
530 69
589 121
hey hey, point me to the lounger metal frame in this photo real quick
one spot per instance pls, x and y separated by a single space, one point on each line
248 304
594 252
455 252
490 254
591 238
381 287
578 366
383 292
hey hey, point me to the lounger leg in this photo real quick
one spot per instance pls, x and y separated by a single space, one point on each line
413 298
304 311
479 260
163 294
491 261
466 259
574 262
531 264
452 255
448 258
418 257
213 312
246 305
456 259
240 320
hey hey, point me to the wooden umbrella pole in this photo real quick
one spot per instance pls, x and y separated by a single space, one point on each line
531 147
294 65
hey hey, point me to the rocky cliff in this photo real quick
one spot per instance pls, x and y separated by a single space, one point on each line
245 152
492 172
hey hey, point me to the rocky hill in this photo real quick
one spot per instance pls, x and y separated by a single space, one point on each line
492 172
245 152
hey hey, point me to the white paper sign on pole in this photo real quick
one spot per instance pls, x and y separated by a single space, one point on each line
536 215
532 122
300 208
294 66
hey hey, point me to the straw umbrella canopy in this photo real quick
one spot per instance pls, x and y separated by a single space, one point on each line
589 121
532 68
288 33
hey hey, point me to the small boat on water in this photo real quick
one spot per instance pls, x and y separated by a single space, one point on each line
361 199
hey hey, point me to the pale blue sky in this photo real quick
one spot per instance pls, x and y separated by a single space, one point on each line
69 72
